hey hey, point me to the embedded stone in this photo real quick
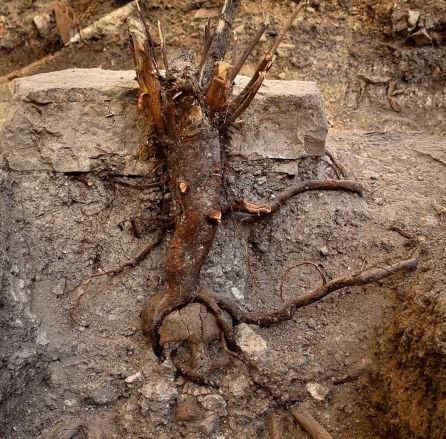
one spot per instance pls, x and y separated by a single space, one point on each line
79 120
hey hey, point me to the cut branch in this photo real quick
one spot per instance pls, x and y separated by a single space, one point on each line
149 102
250 48
163 46
220 41
242 101
219 90
208 36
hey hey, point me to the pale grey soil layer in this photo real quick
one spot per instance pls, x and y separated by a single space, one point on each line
60 227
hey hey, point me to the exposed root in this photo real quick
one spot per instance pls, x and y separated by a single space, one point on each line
82 287
300 264
190 109
339 168
242 101
223 323
190 373
363 277
313 428
215 304
281 198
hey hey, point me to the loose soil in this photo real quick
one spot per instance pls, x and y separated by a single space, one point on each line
376 355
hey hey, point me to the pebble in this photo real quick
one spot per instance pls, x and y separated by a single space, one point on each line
14 270
237 293
58 290
41 337
214 403
132 378
317 391
324 251
187 409
421 38
238 386
209 425
249 342
282 75
42 23
162 391
105 394
413 18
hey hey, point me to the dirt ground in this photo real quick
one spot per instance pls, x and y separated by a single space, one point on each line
367 362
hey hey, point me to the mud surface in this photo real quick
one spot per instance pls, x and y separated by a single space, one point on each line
367 362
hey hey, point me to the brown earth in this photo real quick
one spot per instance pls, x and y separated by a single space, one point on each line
379 352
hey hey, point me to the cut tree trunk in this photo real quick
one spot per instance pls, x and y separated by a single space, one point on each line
188 109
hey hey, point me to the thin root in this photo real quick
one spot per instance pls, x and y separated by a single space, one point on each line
190 373
82 288
300 264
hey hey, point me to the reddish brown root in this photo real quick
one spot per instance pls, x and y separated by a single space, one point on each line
190 373
281 198
287 272
216 304
189 108
363 277
313 428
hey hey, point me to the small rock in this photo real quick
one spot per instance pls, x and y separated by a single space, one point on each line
161 390
285 49
209 425
187 410
42 23
324 251
311 323
214 403
41 337
317 391
250 343
237 293
413 18
105 394
205 13
421 38
136 377
282 75
14 270
238 386
58 290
